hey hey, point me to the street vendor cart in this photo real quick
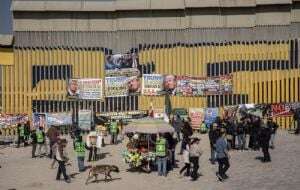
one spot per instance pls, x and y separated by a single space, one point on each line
140 152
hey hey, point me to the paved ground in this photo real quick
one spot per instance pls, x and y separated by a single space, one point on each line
21 172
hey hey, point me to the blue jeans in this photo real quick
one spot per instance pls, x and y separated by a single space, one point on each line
240 141
80 161
161 165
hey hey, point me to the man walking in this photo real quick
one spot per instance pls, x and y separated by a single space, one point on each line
222 156
161 155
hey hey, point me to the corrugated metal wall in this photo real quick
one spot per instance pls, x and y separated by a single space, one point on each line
263 71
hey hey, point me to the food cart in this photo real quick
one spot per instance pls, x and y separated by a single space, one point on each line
140 152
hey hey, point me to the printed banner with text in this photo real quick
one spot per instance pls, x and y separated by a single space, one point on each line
88 89
121 65
152 84
197 116
116 86
57 119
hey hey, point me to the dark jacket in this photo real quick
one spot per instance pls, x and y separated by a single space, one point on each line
273 126
187 130
33 137
213 136
264 136
52 134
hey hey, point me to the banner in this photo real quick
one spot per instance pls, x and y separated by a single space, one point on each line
284 109
121 65
116 86
39 120
189 86
210 115
13 119
212 86
152 84
88 89
57 119
85 119
226 84
197 116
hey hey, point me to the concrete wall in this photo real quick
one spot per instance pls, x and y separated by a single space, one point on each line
157 19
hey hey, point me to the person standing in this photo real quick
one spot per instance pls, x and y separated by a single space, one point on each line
296 117
21 134
26 133
240 135
161 155
40 136
264 139
203 128
113 131
222 156
79 147
195 153
273 127
187 132
177 125
91 145
33 143
212 134
186 160
52 134
247 133
62 159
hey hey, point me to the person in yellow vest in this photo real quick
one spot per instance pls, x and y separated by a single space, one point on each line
203 128
113 131
80 147
21 134
161 155
41 141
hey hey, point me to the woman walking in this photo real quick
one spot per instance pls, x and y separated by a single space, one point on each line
195 153
186 160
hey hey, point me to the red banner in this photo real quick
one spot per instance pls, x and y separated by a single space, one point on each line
283 109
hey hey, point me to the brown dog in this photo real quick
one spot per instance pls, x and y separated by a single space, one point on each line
101 169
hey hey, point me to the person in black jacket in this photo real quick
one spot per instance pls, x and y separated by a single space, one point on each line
187 132
33 143
213 135
273 127
296 116
240 135
264 139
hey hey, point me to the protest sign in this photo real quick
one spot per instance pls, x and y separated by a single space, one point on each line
197 116
57 119
116 86
210 115
88 89
152 84
190 86
85 119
